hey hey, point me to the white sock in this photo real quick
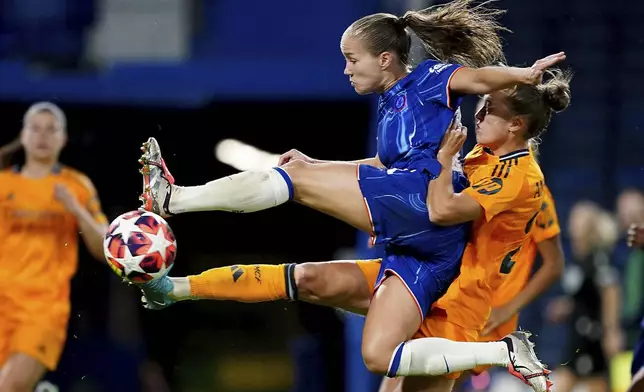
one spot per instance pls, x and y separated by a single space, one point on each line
248 191
181 290
437 356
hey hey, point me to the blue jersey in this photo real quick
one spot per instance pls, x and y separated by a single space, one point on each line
414 115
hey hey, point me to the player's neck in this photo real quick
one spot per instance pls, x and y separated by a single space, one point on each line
392 79
509 146
38 168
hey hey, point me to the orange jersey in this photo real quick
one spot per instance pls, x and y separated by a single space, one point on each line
545 227
510 190
38 237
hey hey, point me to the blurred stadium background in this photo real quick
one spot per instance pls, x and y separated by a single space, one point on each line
269 73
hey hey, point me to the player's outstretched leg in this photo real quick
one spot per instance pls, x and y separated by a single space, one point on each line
242 283
243 192
342 284
329 187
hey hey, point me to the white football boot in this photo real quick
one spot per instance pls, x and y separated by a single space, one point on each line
524 363
157 180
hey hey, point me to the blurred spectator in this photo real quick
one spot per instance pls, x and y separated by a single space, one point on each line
630 211
591 304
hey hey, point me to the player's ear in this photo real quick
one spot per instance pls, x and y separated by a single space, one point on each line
517 124
386 58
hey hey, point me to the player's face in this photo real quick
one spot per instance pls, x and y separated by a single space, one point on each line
363 69
493 121
580 224
630 208
43 136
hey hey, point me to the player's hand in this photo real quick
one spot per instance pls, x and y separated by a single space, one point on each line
635 236
534 74
498 316
66 198
294 155
452 143
559 309
612 342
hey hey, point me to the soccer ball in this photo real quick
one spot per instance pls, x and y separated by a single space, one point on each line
140 246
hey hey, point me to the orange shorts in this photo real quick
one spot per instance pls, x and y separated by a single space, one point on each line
370 268
437 325
499 333
38 332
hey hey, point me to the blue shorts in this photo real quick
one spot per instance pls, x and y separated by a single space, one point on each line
426 257
426 280
396 203
638 355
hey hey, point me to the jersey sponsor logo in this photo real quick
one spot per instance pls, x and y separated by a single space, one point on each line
35 221
438 68
489 186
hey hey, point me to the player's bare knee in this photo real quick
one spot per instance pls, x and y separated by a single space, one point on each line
296 170
299 171
309 279
376 356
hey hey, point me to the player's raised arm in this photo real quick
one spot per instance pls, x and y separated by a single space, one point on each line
87 210
489 79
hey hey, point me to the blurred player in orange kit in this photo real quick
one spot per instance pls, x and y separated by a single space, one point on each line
43 207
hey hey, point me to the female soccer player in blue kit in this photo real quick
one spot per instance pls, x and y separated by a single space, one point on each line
384 195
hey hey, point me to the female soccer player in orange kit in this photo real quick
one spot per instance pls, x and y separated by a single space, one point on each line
43 207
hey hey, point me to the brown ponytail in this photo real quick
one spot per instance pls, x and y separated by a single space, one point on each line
455 32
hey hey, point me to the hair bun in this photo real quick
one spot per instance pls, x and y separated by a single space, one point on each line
556 91
557 97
